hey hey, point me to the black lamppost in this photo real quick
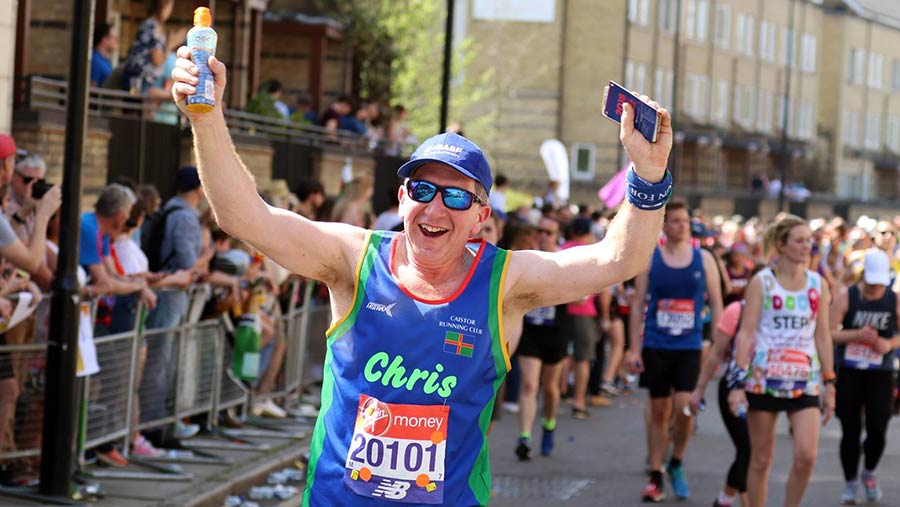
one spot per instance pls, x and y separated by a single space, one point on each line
448 56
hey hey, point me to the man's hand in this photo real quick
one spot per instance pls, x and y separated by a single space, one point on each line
634 362
49 203
185 82
696 400
882 346
148 297
650 159
869 336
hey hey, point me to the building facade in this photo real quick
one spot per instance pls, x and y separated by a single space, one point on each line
807 91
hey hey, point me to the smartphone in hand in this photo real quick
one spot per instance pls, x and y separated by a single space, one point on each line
646 119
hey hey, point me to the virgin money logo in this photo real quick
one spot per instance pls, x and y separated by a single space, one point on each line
376 417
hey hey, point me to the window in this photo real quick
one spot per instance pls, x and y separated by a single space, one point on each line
662 86
640 78
790 114
639 11
788 47
670 87
764 110
695 19
767 41
697 95
744 105
876 69
893 134
584 161
666 14
808 53
873 131
744 34
635 76
855 63
690 19
723 26
895 75
806 120
659 84
850 128
629 75
720 112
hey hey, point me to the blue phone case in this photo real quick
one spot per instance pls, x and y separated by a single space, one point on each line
646 119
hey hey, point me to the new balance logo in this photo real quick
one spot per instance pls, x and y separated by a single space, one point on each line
392 490
378 307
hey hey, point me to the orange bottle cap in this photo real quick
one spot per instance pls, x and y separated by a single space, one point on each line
202 16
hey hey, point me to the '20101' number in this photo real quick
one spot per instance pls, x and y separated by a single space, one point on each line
374 452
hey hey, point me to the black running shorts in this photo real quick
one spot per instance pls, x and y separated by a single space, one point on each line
542 342
767 403
666 371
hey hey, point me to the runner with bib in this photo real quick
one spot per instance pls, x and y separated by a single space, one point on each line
866 333
666 347
423 320
785 326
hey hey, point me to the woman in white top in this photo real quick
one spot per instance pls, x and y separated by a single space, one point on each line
133 263
783 358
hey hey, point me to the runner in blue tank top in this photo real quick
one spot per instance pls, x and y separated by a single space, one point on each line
424 320
666 346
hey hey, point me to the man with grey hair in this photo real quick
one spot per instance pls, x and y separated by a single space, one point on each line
29 171
98 227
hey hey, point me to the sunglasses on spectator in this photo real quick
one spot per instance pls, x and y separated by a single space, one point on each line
25 179
453 197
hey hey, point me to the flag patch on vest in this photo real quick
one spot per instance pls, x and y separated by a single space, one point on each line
459 344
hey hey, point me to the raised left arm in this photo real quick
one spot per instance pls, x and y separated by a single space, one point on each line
545 279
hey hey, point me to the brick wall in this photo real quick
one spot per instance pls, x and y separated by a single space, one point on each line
48 140
48 41
331 164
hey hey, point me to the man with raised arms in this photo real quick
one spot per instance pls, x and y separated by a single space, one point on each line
433 347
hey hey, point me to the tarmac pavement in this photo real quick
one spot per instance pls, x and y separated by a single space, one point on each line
600 462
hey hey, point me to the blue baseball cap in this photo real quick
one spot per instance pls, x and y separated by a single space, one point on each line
455 151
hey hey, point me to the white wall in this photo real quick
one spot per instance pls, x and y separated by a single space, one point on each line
7 61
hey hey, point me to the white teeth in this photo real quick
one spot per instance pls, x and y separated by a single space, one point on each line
429 228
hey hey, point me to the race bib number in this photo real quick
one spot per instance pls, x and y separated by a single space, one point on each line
787 369
397 452
675 315
861 356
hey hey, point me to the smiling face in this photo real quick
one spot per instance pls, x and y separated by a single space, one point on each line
437 234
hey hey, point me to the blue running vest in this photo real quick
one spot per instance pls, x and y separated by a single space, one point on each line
408 389
675 301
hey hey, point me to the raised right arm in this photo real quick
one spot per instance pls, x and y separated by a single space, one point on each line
324 251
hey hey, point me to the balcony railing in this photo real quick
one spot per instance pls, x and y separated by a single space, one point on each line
38 93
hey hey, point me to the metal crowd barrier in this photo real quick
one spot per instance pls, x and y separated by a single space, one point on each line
190 361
